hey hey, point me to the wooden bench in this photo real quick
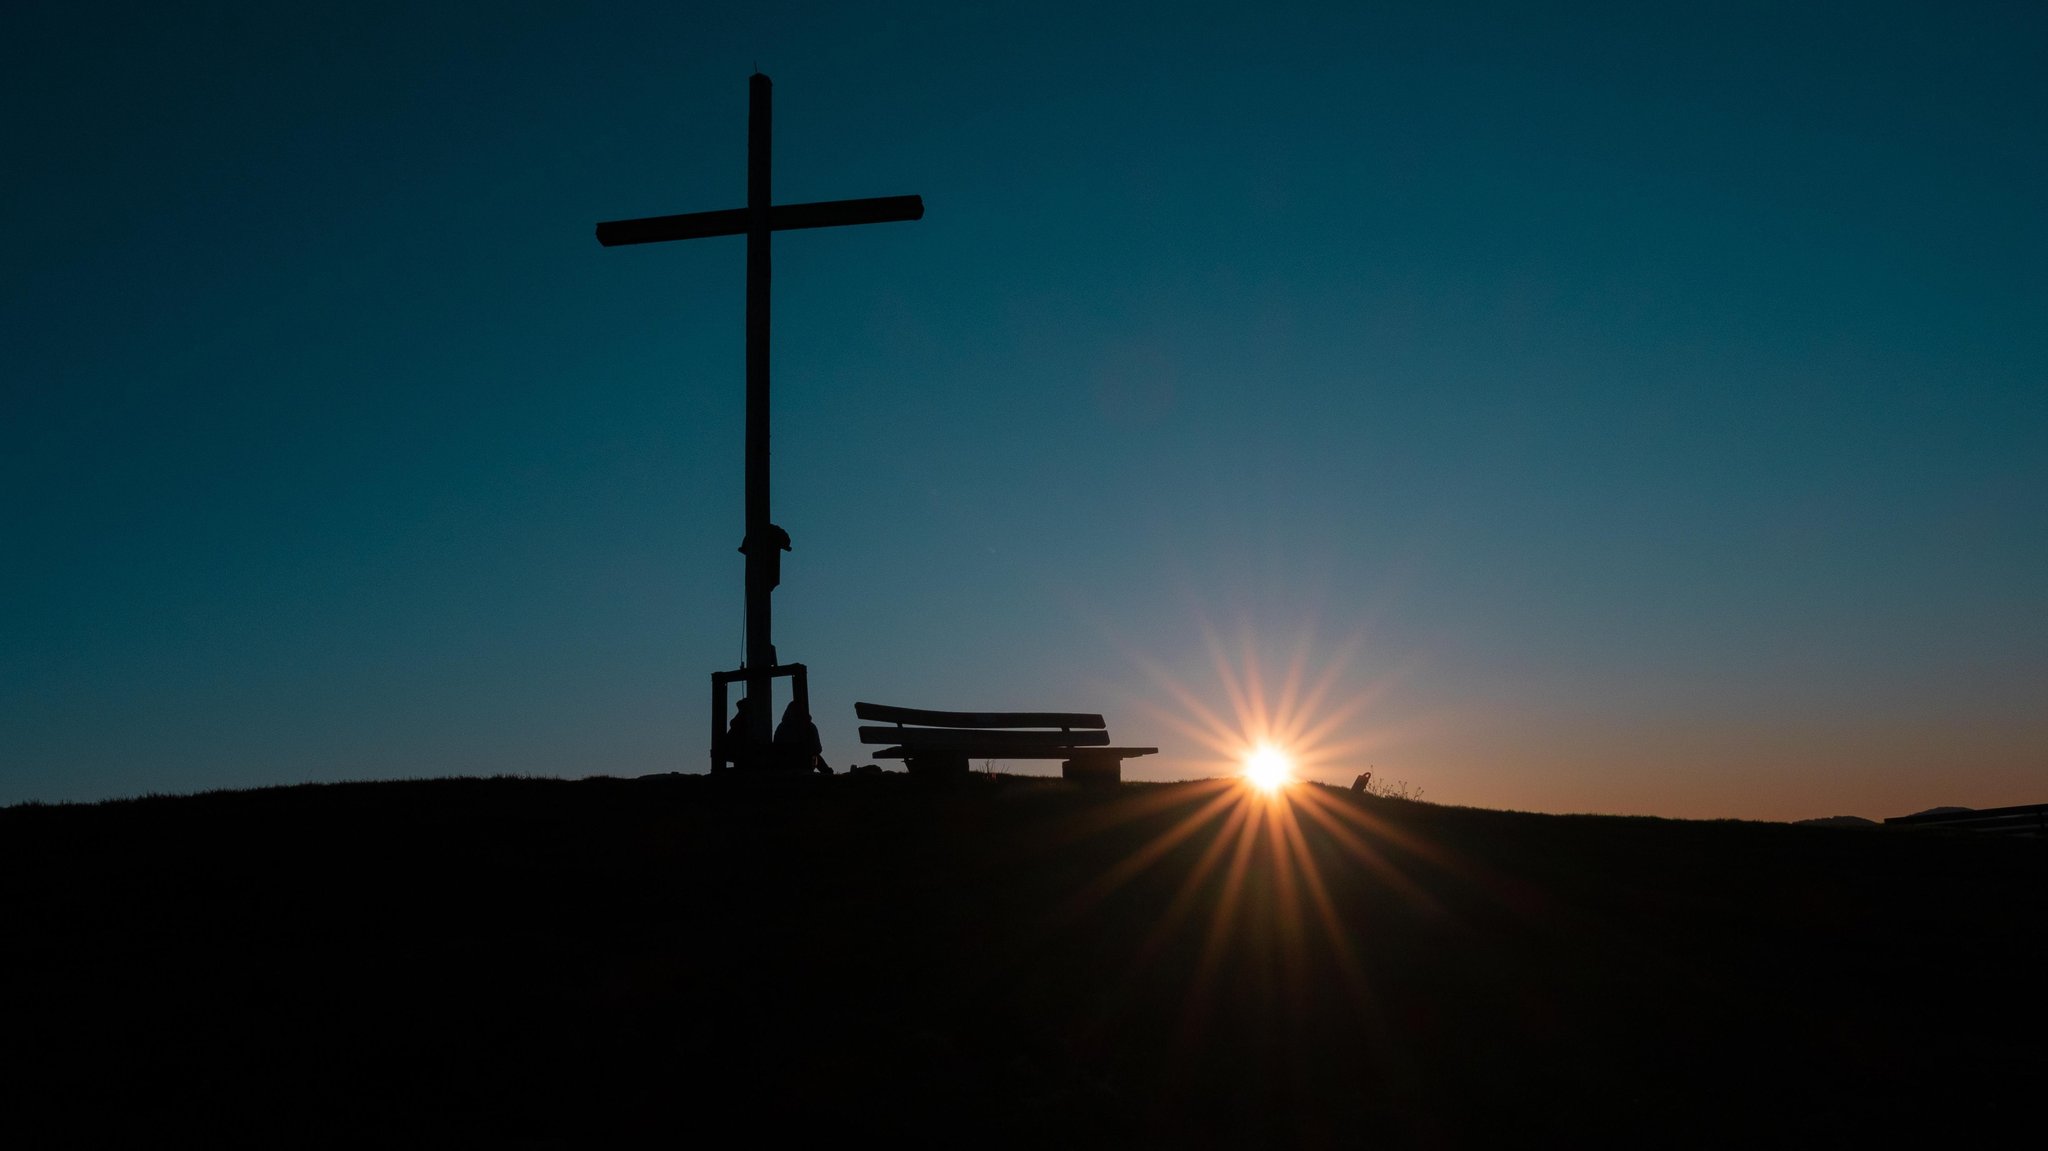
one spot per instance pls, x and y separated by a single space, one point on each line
944 742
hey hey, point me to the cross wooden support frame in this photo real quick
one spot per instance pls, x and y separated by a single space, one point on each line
760 219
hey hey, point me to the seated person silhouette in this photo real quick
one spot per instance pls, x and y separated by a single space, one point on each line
797 746
733 747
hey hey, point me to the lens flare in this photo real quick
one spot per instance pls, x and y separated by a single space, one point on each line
1262 851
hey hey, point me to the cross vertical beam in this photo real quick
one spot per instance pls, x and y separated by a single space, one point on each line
765 542
763 558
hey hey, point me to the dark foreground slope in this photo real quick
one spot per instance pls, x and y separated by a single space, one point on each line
1006 961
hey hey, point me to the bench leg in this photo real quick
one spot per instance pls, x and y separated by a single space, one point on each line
1093 769
936 766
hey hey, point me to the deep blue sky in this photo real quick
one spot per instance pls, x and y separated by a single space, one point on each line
1612 407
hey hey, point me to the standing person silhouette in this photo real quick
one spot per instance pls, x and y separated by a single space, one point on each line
797 746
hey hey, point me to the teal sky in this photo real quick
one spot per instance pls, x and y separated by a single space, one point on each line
1606 407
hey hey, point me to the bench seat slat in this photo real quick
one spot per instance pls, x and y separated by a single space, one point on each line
1045 753
881 713
944 737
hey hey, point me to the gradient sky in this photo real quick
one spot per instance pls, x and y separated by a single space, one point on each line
1608 407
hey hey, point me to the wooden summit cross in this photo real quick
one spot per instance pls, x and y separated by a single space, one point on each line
764 541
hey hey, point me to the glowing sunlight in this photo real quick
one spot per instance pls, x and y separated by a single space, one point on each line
1268 768
1299 718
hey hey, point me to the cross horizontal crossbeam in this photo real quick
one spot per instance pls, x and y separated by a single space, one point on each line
781 218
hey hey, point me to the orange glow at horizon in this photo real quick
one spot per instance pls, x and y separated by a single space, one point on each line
1302 693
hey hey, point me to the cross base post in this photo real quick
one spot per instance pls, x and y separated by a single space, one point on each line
723 754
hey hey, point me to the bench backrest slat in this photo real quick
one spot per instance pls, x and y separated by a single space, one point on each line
978 719
939 737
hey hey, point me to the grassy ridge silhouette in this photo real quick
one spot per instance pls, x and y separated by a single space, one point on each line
1007 960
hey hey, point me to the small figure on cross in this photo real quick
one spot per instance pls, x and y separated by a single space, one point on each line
778 542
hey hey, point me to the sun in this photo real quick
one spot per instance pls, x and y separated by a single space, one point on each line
1268 768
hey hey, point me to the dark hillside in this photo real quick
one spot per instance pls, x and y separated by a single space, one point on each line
1015 961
